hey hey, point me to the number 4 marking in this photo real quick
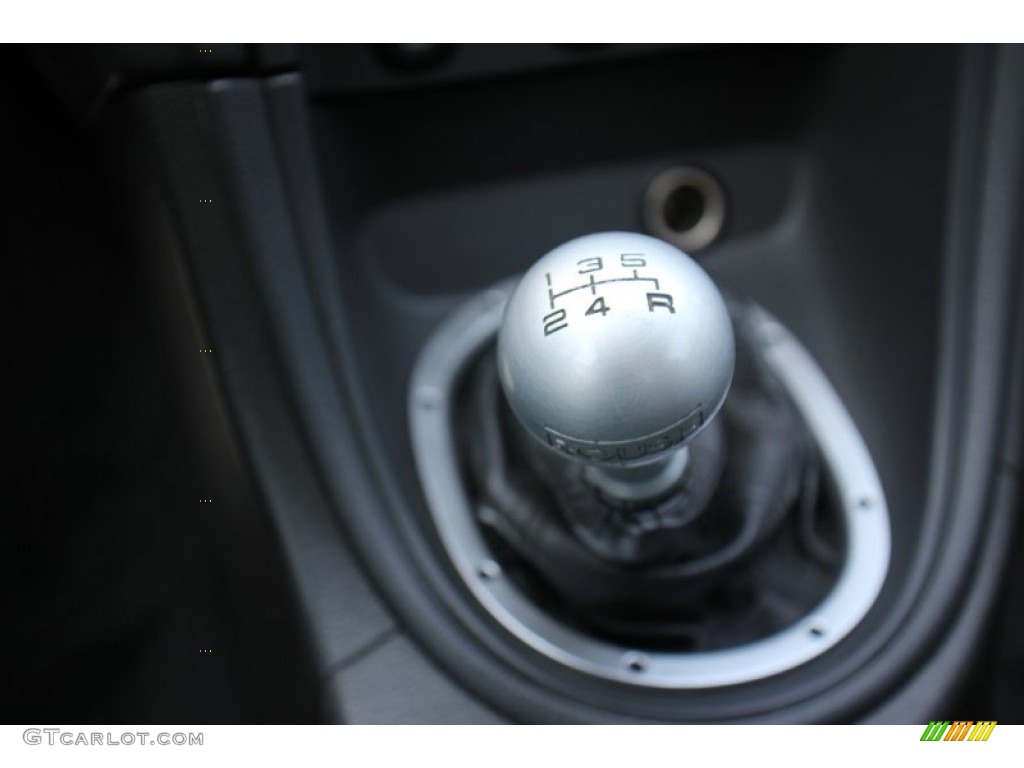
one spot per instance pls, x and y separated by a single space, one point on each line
598 307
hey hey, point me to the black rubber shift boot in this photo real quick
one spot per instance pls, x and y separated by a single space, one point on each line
695 555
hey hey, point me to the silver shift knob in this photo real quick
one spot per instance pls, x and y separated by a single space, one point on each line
617 348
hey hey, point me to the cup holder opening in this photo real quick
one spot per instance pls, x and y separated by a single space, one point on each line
685 206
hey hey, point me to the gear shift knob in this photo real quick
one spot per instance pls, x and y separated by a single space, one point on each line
617 349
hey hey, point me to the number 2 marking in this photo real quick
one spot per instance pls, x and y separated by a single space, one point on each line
554 322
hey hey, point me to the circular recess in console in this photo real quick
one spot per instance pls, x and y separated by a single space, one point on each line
685 206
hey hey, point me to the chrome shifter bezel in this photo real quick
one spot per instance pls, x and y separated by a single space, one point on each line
859 490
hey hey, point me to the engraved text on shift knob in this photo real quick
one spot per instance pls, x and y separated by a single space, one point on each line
615 347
